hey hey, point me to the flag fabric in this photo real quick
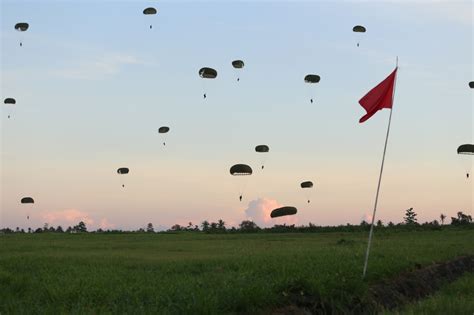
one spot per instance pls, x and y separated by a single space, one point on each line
379 97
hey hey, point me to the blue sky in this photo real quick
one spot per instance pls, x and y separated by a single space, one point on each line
93 84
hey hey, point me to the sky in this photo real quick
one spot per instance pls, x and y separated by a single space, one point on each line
93 83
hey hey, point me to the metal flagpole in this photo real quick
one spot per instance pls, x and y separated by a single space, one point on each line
380 180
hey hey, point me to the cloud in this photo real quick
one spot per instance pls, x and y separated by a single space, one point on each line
105 224
99 68
367 218
68 216
259 210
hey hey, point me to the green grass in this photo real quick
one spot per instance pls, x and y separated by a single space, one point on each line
191 273
455 298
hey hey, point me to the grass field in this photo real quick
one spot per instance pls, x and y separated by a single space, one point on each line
455 298
195 273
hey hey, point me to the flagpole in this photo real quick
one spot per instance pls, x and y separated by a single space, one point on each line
380 181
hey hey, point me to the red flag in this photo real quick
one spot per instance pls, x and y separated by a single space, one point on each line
379 97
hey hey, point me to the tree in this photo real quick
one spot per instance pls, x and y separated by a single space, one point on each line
17 230
205 226
149 228
46 227
379 223
81 227
29 230
248 226
410 217
221 225
59 229
69 229
462 219
390 224
176 227
442 217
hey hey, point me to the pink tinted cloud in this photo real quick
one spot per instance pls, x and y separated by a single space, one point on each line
105 224
259 210
68 216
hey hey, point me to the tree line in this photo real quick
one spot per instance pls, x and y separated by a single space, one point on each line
247 226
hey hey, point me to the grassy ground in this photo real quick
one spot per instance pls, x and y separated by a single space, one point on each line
192 273
455 298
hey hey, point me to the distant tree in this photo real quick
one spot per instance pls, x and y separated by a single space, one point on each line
81 227
248 226
39 230
149 228
410 217
196 228
22 231
213 226
190 226
379 223
29 230
176 227
462 219
17 230
99 230
69 229
221 225
205 226
51 229
390 224
364 223
46 227
59 229
442 217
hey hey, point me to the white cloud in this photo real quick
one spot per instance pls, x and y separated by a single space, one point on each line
68 216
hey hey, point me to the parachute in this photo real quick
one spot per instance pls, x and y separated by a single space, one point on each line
465 150
207 73
283 211
471 84
238 64
123 171
163 130
22 27
307 185
262 148
312 79
150 11
27 200
241 170
358 29
9 101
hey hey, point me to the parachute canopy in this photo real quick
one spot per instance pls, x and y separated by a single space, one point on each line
307 184
240 169
238 64
466 149
27 200
471 84
149 11
21 27
312 78
280 212
359 29
262 148
207 73
123 170
9 100
163 129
